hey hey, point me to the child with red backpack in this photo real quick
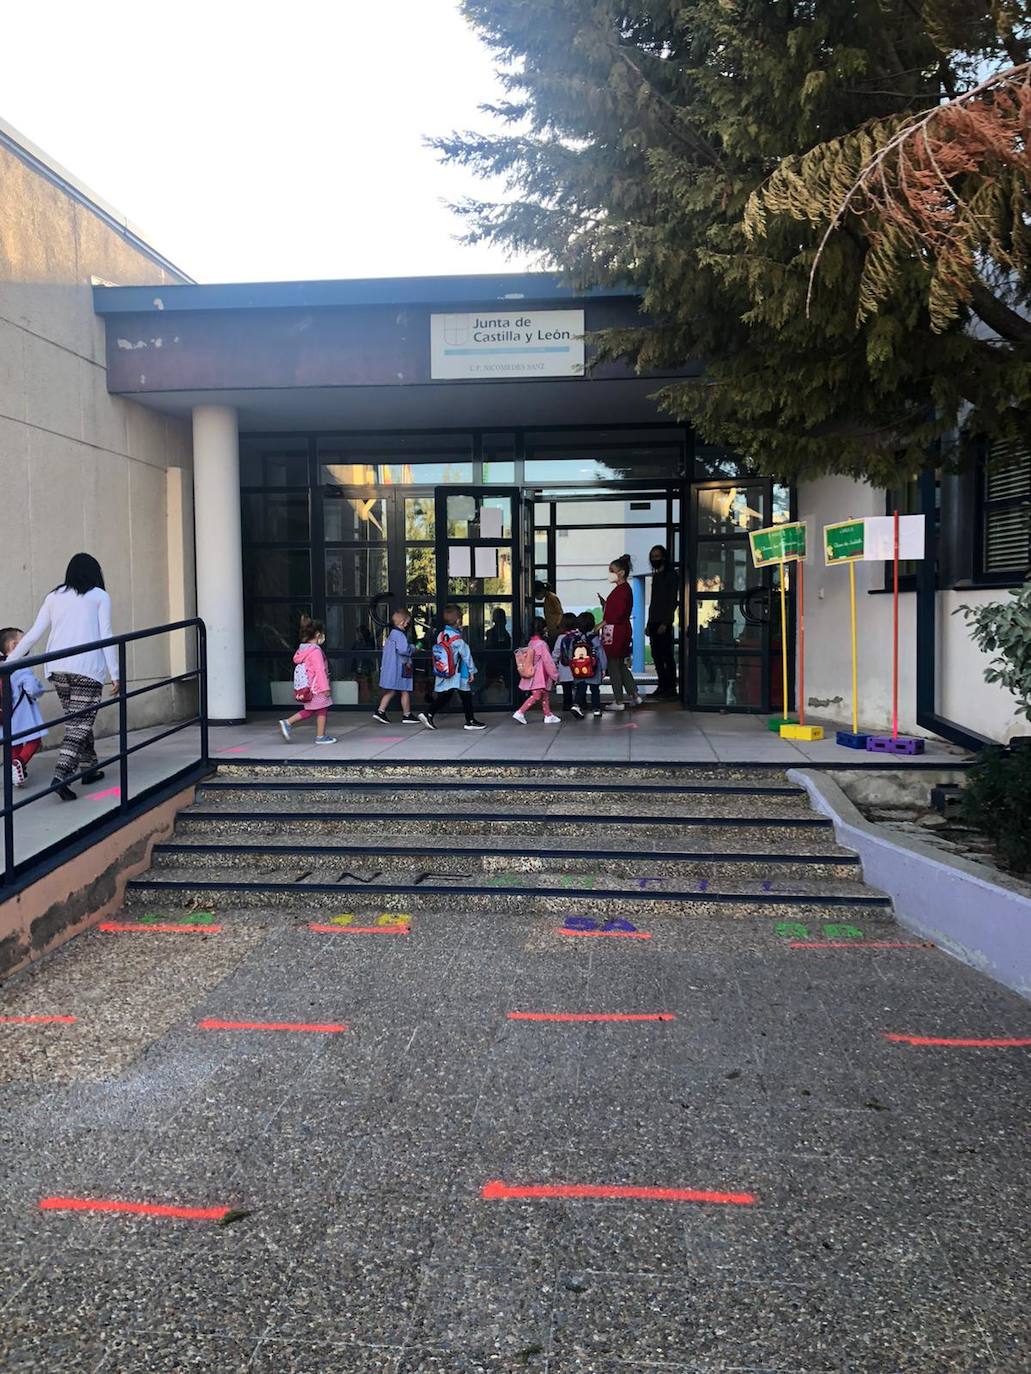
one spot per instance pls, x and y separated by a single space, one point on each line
587 663
567 633
537 671
311 682
453 671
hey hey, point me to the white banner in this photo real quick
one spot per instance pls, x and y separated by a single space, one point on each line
495 345
879 541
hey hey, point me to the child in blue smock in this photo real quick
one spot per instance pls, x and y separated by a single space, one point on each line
395 672
451 647
26 688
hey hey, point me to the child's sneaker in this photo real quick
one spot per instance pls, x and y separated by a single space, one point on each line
578 711
381 717
325 739
18 773
636 701
597 712
474 725
410 720
615 706
427 720
518 715
552 720
284 730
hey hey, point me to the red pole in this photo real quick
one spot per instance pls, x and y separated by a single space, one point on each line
895 639
801 644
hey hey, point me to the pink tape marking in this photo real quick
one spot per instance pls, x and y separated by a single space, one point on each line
236 749
630 725
108 792
390 739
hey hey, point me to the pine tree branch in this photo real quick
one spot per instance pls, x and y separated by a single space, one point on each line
676 124
1008 323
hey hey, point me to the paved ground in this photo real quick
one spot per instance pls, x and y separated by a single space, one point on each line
888 1230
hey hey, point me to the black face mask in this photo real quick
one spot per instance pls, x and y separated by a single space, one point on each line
658 562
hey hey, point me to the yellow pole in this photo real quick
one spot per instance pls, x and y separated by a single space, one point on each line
855 664
783 645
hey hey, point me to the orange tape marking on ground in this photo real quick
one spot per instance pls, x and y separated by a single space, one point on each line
998 1043
359 930
140 1209
155 928
325 1028
591 1016
613 934
497 1190
860 944
37 1020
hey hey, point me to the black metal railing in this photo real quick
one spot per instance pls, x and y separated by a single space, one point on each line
194 762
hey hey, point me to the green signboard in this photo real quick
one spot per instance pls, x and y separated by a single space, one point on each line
777 543
844 542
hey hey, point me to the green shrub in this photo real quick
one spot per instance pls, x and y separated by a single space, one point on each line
997 800
1003 628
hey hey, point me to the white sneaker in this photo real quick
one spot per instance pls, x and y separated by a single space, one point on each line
17 773
284 730
518 715
636 701
599 712
578 711
615 706
552 720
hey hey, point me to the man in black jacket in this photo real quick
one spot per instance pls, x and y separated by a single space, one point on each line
662 612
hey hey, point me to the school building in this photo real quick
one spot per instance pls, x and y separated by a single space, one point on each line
254 451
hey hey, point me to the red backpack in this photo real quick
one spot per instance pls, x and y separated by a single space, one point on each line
445 660
583 661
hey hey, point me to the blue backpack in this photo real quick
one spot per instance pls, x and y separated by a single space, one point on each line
445 660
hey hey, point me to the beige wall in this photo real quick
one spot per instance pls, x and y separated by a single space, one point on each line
963 694
81 469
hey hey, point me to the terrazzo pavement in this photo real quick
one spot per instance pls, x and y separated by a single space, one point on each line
889 1231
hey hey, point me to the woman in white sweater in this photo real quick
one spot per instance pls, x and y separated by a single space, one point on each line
76 612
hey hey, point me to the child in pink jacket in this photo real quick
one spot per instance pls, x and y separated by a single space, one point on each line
538 683
314 693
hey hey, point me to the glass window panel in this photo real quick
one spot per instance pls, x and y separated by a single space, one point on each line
354 678
349 625
356 572
497 619
420 571
274 625
420 517
729 680
724 568
269 680
275 462
730 510
781 504
276 572
585 465
358 518
275 517
357 472
424 624
501 474
723 625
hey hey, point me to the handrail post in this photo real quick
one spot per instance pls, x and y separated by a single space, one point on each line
7 708
123 734
202 699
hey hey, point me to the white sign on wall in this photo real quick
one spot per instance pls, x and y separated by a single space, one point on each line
498 345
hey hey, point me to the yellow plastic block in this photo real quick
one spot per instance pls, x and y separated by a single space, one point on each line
809 732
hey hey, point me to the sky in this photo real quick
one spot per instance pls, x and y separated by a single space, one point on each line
261 141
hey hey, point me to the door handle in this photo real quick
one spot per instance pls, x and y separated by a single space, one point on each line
755 605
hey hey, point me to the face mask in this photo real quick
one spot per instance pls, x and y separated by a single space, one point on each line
613 577
657 562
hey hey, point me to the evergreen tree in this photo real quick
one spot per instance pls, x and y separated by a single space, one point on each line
699 149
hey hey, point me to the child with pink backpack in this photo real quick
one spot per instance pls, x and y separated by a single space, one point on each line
537 671
312 691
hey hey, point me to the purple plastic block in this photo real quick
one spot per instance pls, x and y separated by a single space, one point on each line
850 741
885 744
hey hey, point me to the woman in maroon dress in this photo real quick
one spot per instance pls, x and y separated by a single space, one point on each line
616 635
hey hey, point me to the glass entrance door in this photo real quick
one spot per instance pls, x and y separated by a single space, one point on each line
734 612
481 567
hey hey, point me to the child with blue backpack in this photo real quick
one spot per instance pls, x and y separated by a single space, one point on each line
26 717
453 671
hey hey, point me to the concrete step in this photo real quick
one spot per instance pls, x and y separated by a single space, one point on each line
693 865
319 885
462 798
528 773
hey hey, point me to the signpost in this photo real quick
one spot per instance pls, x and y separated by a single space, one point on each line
783 544
873 539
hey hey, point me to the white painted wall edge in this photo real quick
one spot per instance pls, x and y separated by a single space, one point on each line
952 901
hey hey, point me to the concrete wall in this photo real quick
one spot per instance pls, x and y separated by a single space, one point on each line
82 469
963 694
